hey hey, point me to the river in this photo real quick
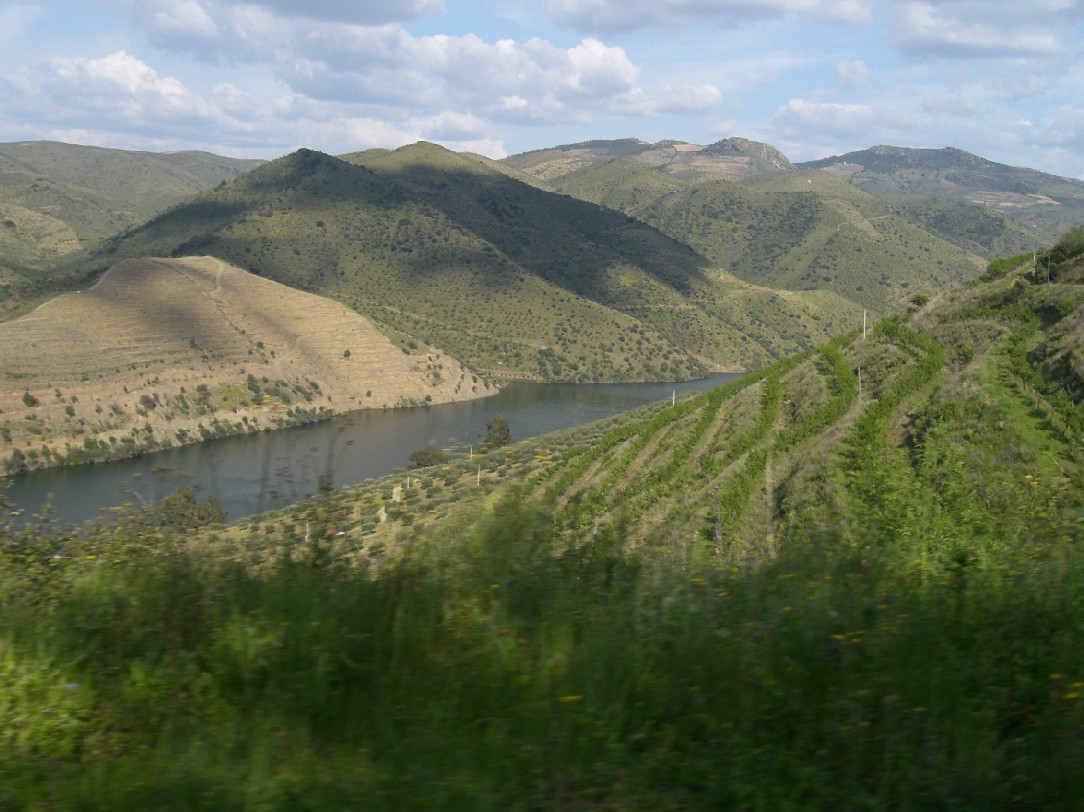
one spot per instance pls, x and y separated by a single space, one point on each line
253 473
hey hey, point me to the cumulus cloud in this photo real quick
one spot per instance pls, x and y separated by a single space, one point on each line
609 16
360 55
967 28
840 120
122 85
528 81
669 99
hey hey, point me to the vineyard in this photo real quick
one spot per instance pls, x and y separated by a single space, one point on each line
851 580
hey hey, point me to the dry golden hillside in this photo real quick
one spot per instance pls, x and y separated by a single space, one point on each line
167 351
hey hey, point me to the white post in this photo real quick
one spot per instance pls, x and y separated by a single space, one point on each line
479 482
863 324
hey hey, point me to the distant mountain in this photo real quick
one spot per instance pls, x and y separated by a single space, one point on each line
58 199
729 158
789 228
1049 204
442 249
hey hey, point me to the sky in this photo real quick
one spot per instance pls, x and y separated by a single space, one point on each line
814 78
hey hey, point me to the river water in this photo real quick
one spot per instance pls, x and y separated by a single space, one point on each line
253 473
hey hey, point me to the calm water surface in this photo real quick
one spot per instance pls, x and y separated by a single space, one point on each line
256 472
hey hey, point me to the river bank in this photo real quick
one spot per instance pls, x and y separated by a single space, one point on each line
254 472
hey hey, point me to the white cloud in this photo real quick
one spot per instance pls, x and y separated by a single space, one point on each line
389 66
854 75
122 83
599 16
684 100
826 116
599 70
187 18
967 28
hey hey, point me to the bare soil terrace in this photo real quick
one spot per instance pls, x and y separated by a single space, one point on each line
163 352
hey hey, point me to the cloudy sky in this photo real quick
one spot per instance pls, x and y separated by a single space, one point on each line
259 78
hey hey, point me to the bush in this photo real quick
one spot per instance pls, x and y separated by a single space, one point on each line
426 457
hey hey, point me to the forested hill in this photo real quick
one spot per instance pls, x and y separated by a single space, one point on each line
1046 204
57 200
852 580
442 249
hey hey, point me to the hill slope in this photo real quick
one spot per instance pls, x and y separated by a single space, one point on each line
730 158
441 248
796 230
57 199
980 206
163 352
1048 204
852 580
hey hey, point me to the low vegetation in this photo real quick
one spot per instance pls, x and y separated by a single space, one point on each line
852 580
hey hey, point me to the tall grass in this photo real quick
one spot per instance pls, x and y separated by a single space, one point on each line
496 669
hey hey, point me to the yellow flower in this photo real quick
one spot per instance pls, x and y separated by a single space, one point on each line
571 698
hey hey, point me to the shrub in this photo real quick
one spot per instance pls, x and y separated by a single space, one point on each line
426 457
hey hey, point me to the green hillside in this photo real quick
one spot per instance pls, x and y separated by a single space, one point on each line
59 199
982 207
1045 204
515 281
796 230
851 580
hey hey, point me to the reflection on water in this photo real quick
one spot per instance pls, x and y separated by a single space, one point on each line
256 472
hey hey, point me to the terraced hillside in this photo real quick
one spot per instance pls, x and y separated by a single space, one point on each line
162 352
853 580
824 438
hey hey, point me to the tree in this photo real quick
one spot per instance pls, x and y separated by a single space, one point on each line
425 457
498 432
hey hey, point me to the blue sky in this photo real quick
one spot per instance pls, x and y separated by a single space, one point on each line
259 78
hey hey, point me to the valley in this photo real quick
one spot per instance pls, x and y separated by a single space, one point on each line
852 578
